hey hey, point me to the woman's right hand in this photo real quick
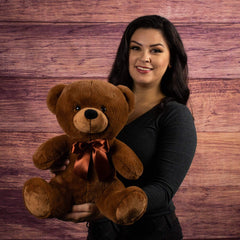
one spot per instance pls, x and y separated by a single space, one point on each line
80 213
58 168
83 212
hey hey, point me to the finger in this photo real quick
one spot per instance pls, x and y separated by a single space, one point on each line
58 169
66 163
77 217
85 207
58 165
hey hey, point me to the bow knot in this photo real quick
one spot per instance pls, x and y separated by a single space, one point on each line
95 151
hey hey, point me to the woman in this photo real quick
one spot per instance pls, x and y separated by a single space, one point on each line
151 61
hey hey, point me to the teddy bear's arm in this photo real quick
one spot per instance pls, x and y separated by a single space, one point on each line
126 161
55 150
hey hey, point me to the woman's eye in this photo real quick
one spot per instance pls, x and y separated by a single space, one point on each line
134 48
103 109
156 50
77 108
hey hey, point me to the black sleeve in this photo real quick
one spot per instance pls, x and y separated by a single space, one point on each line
175 150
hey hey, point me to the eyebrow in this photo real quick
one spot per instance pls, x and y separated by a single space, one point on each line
152 45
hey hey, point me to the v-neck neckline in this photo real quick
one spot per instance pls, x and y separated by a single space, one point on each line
143 115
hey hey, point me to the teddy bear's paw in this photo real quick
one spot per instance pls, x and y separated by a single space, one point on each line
36 197
131 208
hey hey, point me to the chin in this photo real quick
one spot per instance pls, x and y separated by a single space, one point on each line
145 84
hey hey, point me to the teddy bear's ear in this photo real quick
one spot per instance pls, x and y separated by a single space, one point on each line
53 95
129 95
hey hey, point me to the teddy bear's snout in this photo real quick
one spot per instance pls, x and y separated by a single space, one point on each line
90 120
90 114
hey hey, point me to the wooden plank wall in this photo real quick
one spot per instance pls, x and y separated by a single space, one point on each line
46 42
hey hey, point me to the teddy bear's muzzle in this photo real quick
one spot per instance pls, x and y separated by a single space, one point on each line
90 120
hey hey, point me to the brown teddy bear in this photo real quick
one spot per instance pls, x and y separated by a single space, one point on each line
91 113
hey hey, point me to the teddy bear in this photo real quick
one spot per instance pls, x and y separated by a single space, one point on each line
91 114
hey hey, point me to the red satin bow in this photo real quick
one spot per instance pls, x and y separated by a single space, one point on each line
96 151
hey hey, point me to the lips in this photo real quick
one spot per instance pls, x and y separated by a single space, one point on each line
142 69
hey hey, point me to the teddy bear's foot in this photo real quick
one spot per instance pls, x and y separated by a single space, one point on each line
36 193
131 207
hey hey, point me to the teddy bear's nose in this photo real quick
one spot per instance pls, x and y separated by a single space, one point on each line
91 114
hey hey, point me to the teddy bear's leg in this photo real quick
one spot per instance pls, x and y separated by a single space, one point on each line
45 200
132 205
123 205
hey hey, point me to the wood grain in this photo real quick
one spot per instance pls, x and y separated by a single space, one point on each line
216 162
57 50
17 223
23 100
118 11
207 202
215 104
88 49
209 212
43 43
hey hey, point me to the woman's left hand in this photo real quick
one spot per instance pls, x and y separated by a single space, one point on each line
83 212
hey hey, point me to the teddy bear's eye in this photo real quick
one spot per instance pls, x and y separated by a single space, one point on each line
77 108
103 109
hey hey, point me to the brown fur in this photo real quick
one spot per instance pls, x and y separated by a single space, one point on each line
55 199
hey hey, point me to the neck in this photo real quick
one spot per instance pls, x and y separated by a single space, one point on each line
149 96
145 99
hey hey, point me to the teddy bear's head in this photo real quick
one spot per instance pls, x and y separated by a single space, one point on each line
91 109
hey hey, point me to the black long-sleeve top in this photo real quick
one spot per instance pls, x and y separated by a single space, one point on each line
165 141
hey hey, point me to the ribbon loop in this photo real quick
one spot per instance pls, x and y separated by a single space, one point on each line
95 151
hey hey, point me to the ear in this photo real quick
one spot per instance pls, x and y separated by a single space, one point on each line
53 95
129 95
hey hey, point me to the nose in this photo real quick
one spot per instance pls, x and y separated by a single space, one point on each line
91 114
146 57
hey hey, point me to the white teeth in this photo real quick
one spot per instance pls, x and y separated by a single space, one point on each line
144 69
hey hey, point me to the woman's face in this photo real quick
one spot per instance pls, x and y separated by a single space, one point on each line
149 57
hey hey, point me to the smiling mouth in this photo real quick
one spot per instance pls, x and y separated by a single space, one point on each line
144 68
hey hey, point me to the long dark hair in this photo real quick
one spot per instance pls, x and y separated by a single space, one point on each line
174 83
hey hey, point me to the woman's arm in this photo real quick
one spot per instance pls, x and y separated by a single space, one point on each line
174 153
